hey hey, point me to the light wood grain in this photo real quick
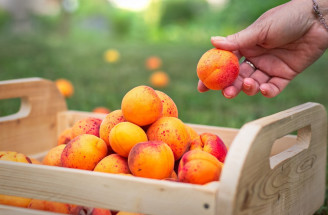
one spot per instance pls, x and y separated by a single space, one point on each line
113 191
292 182
33 128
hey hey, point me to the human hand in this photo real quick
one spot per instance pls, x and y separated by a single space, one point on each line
282 43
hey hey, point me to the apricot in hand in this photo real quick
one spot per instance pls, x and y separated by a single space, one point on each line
218 69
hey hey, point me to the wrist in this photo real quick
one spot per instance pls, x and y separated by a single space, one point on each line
320 9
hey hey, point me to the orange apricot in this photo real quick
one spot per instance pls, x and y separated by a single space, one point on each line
192 133
141 106
199 167
153 62
172 131
108 123
65 87
113 163
101 110
151 159
169 107
65 136
35 161
14 156
16 201
53 157
88 125
124 136
8 199
83 152
212 144
159 79
218 69
173 177
101 211
50 206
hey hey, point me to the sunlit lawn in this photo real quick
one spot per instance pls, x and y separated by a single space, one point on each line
98 83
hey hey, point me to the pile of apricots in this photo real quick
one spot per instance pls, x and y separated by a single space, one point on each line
145 138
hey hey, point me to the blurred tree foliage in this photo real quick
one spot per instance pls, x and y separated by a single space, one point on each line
164 20
182 12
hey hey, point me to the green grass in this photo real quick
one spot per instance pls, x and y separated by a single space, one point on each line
97 83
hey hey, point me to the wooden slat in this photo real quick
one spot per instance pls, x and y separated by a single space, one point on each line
112 191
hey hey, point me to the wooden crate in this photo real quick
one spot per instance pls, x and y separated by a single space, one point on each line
267 170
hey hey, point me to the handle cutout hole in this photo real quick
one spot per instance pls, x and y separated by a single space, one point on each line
290 145
9 106
14 108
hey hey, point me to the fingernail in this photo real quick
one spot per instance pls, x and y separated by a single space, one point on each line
246 86
217 38
227 96
264 92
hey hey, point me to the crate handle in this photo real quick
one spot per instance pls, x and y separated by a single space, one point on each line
251 182
36 121
32 92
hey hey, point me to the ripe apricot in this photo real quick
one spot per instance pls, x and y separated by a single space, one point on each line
212 144
199 167
8 199
14 156
65 136
35 161
14 201
124 136
159 79
141 106
173 177
151 159
83 152
113 163
169 107
101 211
108 123
88 125
153 62
192 133
50 206
218 68
65 87
53 157
101 110
172 131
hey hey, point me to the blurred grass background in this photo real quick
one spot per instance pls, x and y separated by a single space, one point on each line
68 38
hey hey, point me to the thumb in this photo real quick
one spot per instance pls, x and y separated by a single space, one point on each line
243 39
